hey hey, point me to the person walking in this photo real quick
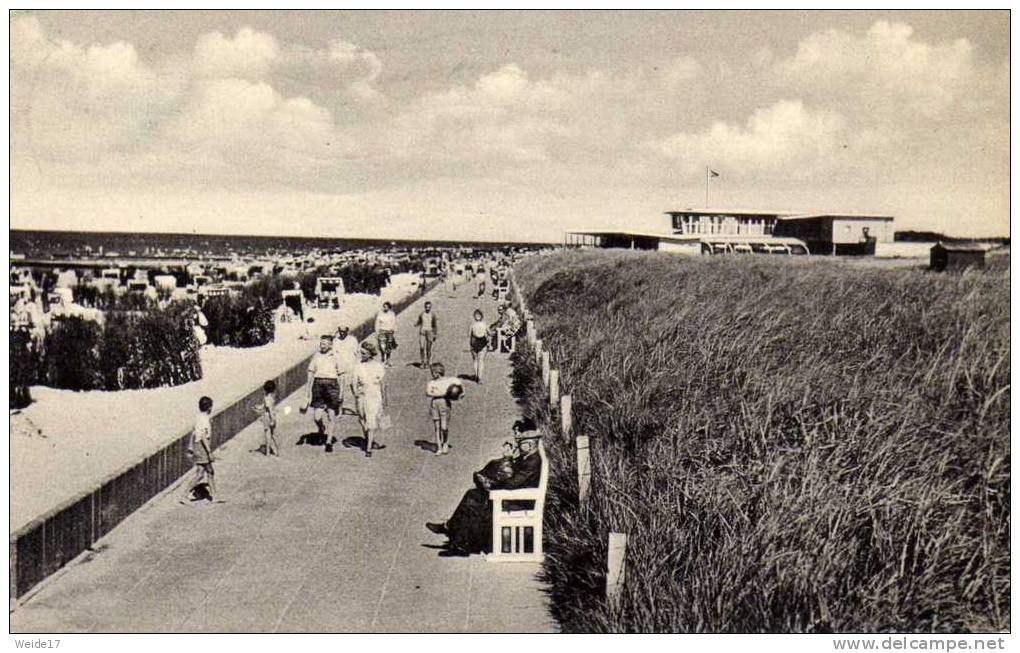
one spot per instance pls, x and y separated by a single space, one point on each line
385 330
442 390
481 281
428 330
203 484
267 415
478 342
348 351
324 374
370 389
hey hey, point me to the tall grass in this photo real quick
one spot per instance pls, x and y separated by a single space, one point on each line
790 447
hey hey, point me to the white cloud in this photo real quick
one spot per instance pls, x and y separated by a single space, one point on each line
340 73
249 112
73 102
247 55
886 71
504 116
101 115
782 138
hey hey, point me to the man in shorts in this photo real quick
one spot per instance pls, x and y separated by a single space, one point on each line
324 374
428 329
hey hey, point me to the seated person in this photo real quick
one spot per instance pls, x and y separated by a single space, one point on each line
509 323
469 529
497 470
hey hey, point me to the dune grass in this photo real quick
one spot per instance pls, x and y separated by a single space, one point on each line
790 446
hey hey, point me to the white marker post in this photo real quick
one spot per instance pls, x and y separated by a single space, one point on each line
554 388
616 571
583 468
538 350
531 332
545 369
566 418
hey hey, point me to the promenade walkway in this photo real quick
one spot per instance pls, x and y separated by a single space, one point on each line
315 541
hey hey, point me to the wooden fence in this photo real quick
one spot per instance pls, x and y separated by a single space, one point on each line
561 402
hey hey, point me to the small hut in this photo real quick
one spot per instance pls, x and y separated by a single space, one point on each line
957 256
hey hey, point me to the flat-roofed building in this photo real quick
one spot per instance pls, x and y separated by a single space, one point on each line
838 233
740 231
724 222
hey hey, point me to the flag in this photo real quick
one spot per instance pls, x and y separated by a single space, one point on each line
713 173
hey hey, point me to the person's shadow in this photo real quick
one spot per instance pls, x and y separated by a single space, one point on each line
353 442
468 377
425 445
313 439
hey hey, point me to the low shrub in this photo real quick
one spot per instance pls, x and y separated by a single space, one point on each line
790 446
23 367
244 320
70 357
107 299
150 349
130 350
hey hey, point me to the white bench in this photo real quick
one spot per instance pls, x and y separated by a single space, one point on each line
517 534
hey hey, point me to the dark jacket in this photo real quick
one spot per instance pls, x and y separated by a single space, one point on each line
527 472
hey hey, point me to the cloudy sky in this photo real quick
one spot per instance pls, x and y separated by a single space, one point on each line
503 125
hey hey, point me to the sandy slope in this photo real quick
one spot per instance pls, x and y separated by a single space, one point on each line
66 442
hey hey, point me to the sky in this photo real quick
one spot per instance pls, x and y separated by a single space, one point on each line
503 125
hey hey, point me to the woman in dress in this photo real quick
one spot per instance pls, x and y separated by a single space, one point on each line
370 389
479 342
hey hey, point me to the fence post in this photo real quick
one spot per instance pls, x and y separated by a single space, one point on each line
616 571
583 468
538 350
554 388
531 332
566 419
545 369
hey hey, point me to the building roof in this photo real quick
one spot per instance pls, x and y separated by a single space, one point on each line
731 211
843 214
609 232
696 238
963 247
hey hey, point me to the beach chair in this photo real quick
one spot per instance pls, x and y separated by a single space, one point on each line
516 531
507 342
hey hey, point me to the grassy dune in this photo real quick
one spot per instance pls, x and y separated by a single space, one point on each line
791 446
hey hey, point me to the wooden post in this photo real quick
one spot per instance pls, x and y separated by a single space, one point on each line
545 369
538 350
583 468
531 332
554 388
566 418
616 571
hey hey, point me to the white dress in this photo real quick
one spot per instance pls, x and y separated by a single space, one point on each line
369 380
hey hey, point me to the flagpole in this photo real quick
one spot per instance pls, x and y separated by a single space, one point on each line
706 187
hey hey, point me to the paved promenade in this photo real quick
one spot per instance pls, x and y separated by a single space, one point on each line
315 541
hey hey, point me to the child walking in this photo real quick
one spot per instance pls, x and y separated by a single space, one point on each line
441 391
478 342
203 485
267 410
